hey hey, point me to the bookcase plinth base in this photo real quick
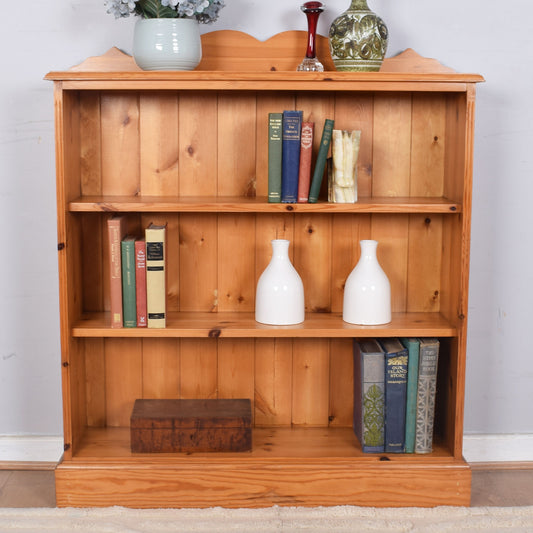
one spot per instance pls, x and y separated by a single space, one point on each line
262 484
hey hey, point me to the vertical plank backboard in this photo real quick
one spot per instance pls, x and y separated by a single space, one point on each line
273 382
198 244
428 145
198 153
198 368
159 142
356 113
392 145
392 234
95 382
341 383
236 368
424 276
312 259
347 231
310 382
120 135
236 263
236 131
161 368
123 379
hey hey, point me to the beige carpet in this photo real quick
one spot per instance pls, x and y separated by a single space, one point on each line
274 519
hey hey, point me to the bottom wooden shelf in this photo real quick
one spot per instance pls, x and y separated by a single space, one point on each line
302 466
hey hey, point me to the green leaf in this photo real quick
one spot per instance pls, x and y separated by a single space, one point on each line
152 9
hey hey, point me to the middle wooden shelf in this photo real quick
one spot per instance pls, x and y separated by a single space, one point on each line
243 325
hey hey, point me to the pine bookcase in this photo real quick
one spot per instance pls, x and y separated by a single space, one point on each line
189 149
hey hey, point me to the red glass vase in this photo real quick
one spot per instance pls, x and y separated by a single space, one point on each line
310 62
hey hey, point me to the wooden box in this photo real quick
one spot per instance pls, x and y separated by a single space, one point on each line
166 426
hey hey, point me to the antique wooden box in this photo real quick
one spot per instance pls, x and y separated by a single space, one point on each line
166 426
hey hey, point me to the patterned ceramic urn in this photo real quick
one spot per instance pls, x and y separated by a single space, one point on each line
358 39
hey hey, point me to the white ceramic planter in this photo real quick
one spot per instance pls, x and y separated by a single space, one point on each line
279 298
367 294
167 44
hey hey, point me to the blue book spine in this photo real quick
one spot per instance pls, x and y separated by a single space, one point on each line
396 358
413 347
290 159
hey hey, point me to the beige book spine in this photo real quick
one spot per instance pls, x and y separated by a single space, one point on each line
155 276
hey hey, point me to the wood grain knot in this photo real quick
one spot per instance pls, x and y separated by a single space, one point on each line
215 333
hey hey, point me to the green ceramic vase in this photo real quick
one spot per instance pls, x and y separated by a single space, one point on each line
358 39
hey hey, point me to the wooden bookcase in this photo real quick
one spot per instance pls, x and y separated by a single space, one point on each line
190 149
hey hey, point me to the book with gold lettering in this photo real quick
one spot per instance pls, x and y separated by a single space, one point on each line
425 399
396 360
290 155
274 157
140 282
129 310
155 276
413 347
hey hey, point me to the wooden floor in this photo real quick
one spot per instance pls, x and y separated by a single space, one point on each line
491 486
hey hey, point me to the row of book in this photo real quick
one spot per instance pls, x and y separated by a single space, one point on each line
290 152
394 394
137 275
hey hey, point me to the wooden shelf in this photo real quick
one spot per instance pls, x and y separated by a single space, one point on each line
243 325
298 466
147 204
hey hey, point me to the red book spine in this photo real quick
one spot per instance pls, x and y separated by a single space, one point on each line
306 152
140 282
116 228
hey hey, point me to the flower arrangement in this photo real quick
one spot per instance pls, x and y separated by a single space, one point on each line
205 11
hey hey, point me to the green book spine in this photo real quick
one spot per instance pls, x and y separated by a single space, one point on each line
129 304
320 164
413 346
274 156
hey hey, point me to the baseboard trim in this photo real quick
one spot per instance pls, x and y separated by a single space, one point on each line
30 452
500 448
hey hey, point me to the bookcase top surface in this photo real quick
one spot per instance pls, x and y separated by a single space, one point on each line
235 56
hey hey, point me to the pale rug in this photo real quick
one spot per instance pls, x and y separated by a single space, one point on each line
270 520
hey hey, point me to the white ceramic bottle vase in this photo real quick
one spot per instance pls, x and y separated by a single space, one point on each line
367 295
279 297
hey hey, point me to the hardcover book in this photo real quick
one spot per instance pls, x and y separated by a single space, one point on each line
425 398
128 282
155 276
306 155
413 346
320 165
290 156
274 157
140 282
116 229
369 395
396 356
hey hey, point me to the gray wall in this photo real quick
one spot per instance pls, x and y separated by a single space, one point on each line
470 36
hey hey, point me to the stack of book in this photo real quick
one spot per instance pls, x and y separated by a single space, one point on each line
394 394
290 151
137 275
